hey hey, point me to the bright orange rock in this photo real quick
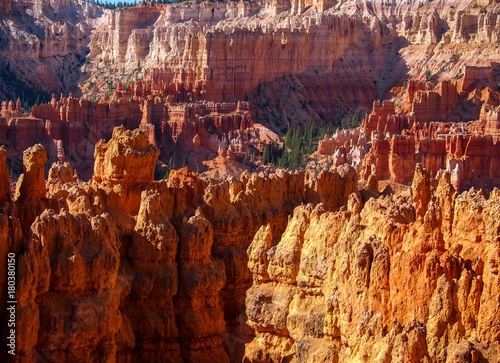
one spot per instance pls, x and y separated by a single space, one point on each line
350 300
31 184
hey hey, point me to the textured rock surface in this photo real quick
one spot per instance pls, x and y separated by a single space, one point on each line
227 52
379 285
149 65
130 268
44 43
128 158
421 107
270 266
69 128
167 274
31 184
270 52
429 133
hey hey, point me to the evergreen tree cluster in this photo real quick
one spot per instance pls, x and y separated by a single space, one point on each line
111 5
350 122
299 143
271 153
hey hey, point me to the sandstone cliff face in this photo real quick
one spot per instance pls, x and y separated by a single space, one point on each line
320 269
425 129
217 56
122 250
281 266
390 283
70 127
128 158
178 247
148 61
275 54
31 184
270 53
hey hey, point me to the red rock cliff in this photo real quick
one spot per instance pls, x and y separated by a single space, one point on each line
122 277
401 139
378 282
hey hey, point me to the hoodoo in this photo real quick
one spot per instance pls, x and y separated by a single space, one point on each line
277 181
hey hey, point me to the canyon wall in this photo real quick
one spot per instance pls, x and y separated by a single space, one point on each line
292 62
69 128
172 245
125 268
273 55
323 56
402 277
442 128
281 54
44 44
225 58
155 66
269 266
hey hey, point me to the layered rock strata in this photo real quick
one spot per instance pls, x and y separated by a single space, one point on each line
444 128
152 64
427 130
70 127
263 267
269 52
130 268
265 53
44 44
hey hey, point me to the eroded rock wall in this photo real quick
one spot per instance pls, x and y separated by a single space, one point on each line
70 127
296 266
426 129
302 50
394 278
125 267
250 51
44 44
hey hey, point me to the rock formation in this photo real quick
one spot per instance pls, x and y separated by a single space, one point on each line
31 184
425 128
44 45
346 146
69 128
320 268
265 53
143 236
430 133
383 252
269 53
128 158
378 284
161 67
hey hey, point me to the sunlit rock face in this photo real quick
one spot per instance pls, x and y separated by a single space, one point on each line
393 281
280 265
383 253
